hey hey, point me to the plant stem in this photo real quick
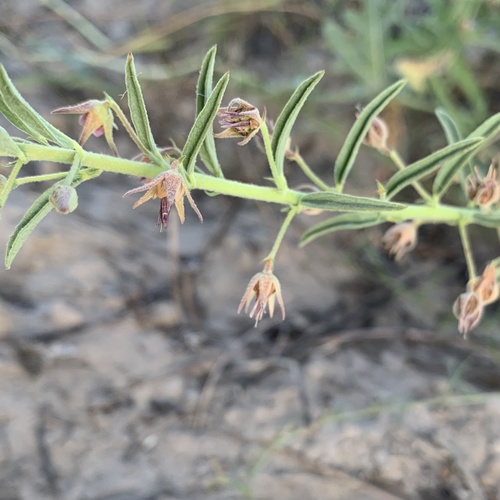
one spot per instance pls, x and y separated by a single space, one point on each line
279 178
75 166
396 159
421 213
39 178
9 185
279 238
469 259
299 160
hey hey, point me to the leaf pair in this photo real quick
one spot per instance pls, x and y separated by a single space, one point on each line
206 110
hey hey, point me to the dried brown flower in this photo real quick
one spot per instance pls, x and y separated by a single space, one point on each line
468 309
400 239
171 188
486 286
265 288
483 191
239 119
377 135
96 118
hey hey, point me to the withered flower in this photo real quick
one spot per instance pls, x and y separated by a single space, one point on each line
377 135
486 286
239 119
468 309
400 239
483 191
265 288
171 188
96 118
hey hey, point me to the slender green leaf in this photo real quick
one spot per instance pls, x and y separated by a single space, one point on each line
34 215
340 222
203 124
208 152
488 219
287 117
327 200
487 130
8 146
24 117
137 107
449 126
427 165
350 148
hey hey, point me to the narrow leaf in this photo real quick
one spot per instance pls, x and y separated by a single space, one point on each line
287 117
449 126
8 146
24 117
34 215
450 169
208 151
137 107
488 219
338 223
347 203
203 124
427 165
350 148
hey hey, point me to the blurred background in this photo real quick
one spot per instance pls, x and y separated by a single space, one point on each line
125 372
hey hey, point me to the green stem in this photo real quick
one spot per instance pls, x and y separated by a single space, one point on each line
279 238
279 178
469 259
39 178
75 166
299 160
9 185
422 213
396 159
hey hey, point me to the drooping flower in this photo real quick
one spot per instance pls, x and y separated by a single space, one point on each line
486 286
96 118
265 289
484 191
468 309
481 291
239 119
400 239
171 188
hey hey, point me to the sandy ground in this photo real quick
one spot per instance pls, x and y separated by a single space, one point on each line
126 373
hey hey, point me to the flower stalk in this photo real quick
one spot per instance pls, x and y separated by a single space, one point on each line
469 259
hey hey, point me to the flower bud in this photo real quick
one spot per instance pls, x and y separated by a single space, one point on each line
64 199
